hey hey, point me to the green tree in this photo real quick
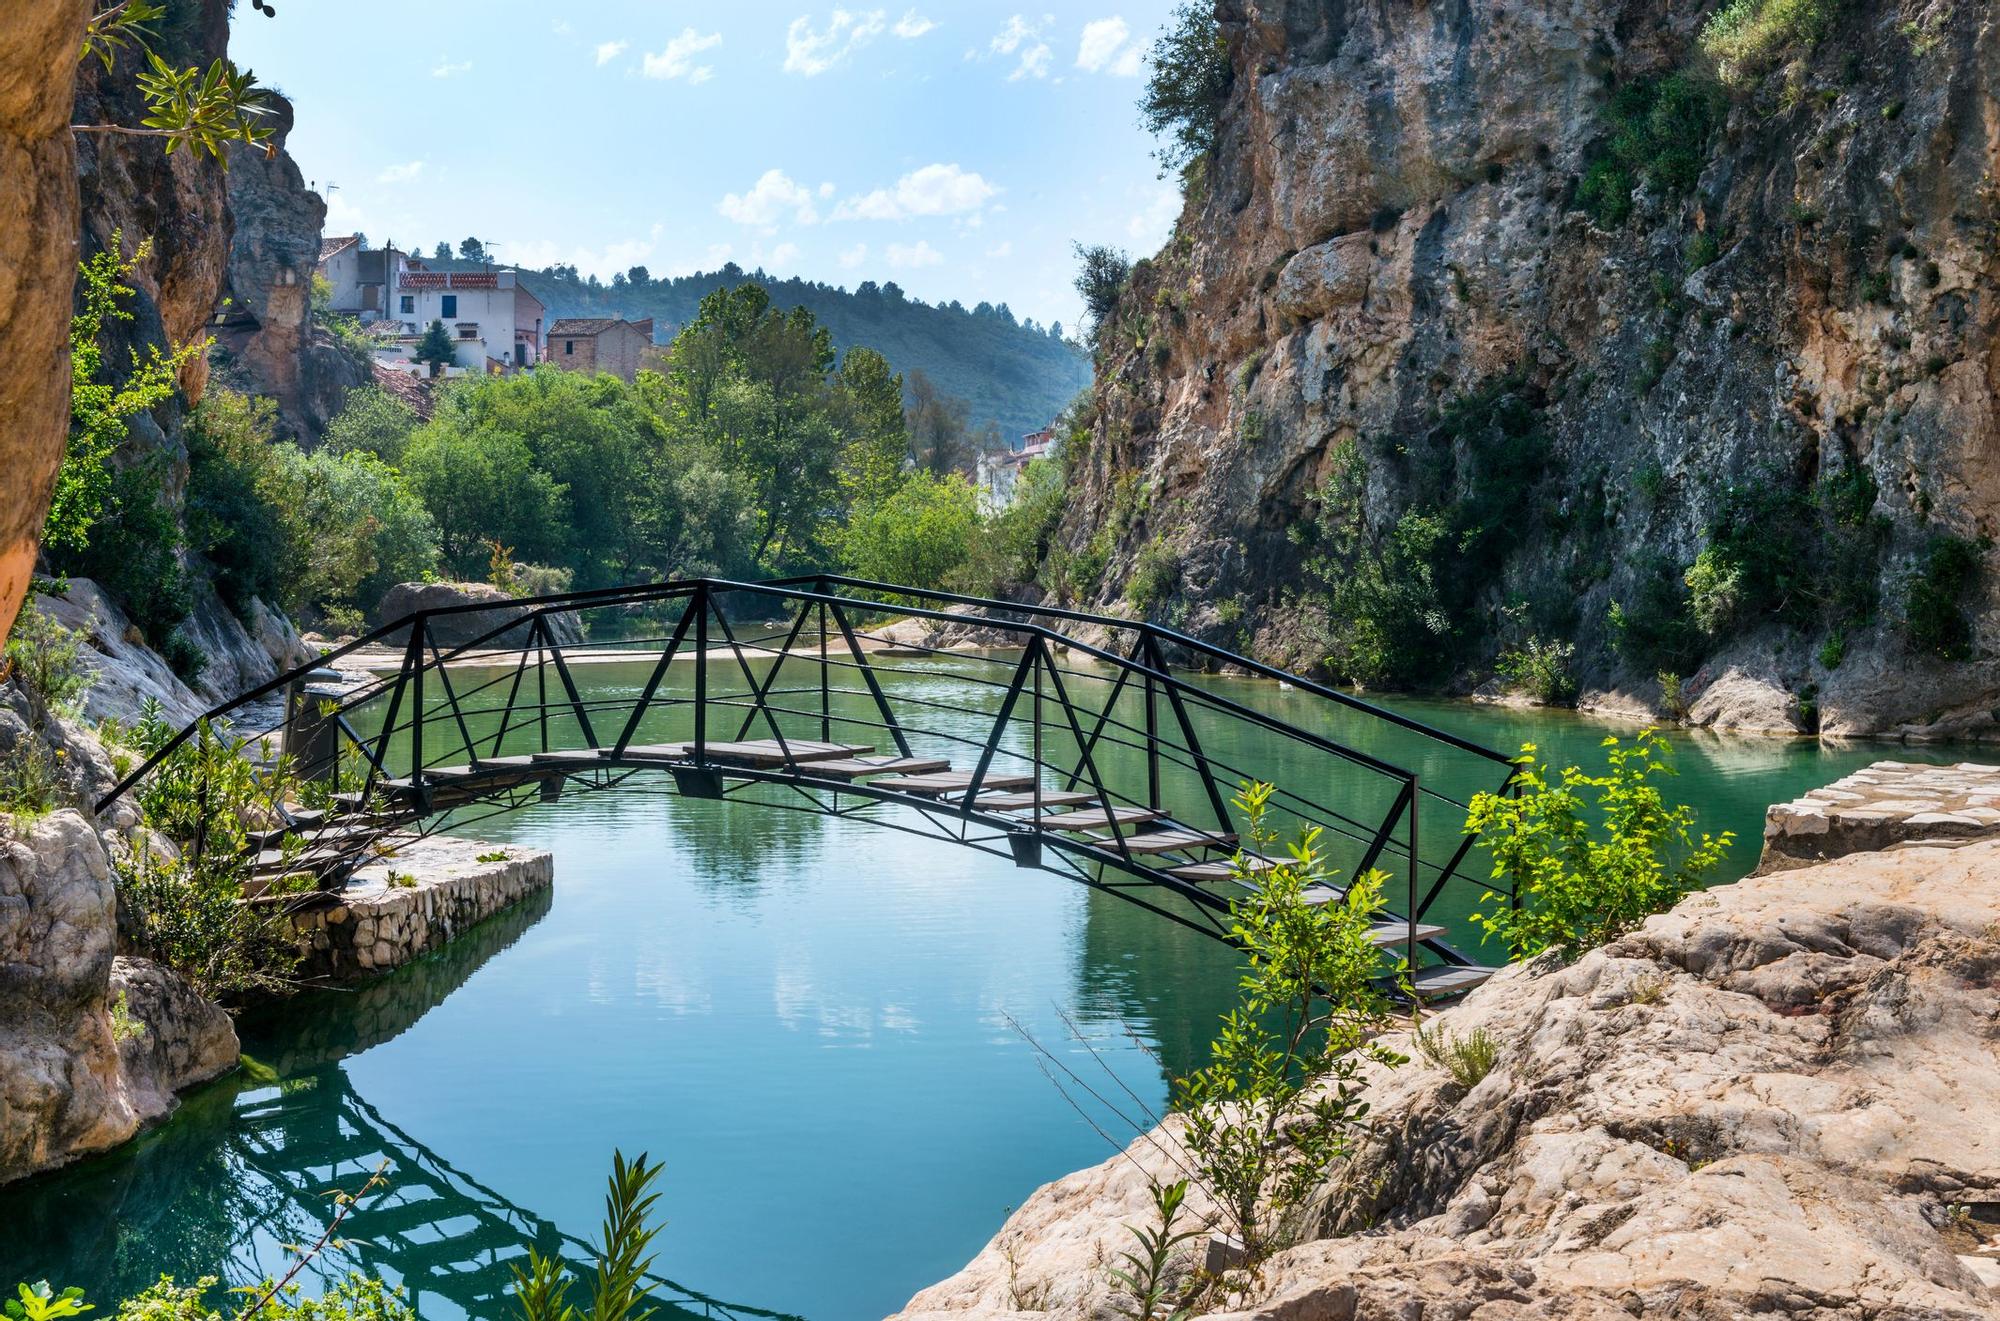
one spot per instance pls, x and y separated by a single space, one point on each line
202 110
472 250
230 514
880 444
372 421
101 409
436 348
918 536
482 484
1578 883
1188 85
939 428
1100 279
1282 1095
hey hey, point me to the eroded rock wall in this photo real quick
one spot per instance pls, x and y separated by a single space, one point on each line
38 221
1391 220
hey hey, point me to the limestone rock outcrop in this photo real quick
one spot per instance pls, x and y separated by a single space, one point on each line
497 608
1391 220
269 331
68 1084
1776 1099
38 222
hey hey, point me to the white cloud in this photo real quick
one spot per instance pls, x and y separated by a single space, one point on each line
610 51
560 27
913 25
1024 39
1004 248
1107 48
935 190
854 256
677 60
921 253
450 70
811 52
534 254
826 189
401 173
767 202
785 254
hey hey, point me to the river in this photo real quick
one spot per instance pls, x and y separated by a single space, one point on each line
835 1037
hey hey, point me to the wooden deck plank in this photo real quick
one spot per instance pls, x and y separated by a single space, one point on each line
1384 934
1176 841
1015 802
1096 818
653 752
1448 979
934 785
1221 869
855 768
765 753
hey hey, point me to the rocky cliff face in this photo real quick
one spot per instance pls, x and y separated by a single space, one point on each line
1772 1101
38 216
1402 290
268 331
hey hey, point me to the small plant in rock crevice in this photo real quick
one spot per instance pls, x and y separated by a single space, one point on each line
1145 1276
1541 669
1468 1059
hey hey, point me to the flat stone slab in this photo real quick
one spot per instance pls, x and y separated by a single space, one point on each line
1886 805
423 892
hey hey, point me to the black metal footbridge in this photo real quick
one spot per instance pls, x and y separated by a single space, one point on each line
1106 750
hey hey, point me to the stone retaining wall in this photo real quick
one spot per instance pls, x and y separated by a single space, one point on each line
1886 805
426 891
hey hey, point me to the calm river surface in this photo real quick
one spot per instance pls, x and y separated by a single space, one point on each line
809 1021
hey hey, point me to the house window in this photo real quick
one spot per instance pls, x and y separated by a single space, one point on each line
409 304
451 305
569 346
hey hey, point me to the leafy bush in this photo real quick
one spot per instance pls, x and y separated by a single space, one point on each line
1660 131
31 783
185 915
43 656
1189 82
1578 883
1934 619
618 1291
134 552
1657 631
1273 1109
1156 574
919 536
1100 279
1541 670
372 421
230 515
356 1298
1747 37
1013 542
1715 590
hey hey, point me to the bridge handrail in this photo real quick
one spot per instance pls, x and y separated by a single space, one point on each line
788 588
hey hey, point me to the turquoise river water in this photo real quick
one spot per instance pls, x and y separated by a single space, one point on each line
831 1035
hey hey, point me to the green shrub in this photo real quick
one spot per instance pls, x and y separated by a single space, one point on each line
1746 38
185 915
1155 576
919 536
1579 882
1281 1098
1673 696
30 781
1659 134
1934 619
1541 670
1467 1059
134 552
1657 630
1715 591
43 656
1702 250
372 421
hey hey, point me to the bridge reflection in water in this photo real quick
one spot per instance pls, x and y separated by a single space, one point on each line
244 1167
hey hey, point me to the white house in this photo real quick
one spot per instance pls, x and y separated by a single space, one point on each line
494 322
995 475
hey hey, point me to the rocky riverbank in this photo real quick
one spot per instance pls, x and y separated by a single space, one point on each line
1777 1099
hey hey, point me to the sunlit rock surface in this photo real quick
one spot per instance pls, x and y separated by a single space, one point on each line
1778 1099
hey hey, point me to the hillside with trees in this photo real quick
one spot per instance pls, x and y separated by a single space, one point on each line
1012 373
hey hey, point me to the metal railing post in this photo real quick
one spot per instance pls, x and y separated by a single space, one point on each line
701 675
541 682
1410 953
825 685
419 636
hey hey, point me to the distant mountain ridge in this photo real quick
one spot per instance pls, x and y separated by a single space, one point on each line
1013 373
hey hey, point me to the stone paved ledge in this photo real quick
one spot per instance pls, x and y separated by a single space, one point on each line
1883 806
421 895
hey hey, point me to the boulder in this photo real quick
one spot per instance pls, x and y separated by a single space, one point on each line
70 1082
1775 1100
449 630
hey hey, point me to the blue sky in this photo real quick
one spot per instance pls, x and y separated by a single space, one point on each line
957 148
